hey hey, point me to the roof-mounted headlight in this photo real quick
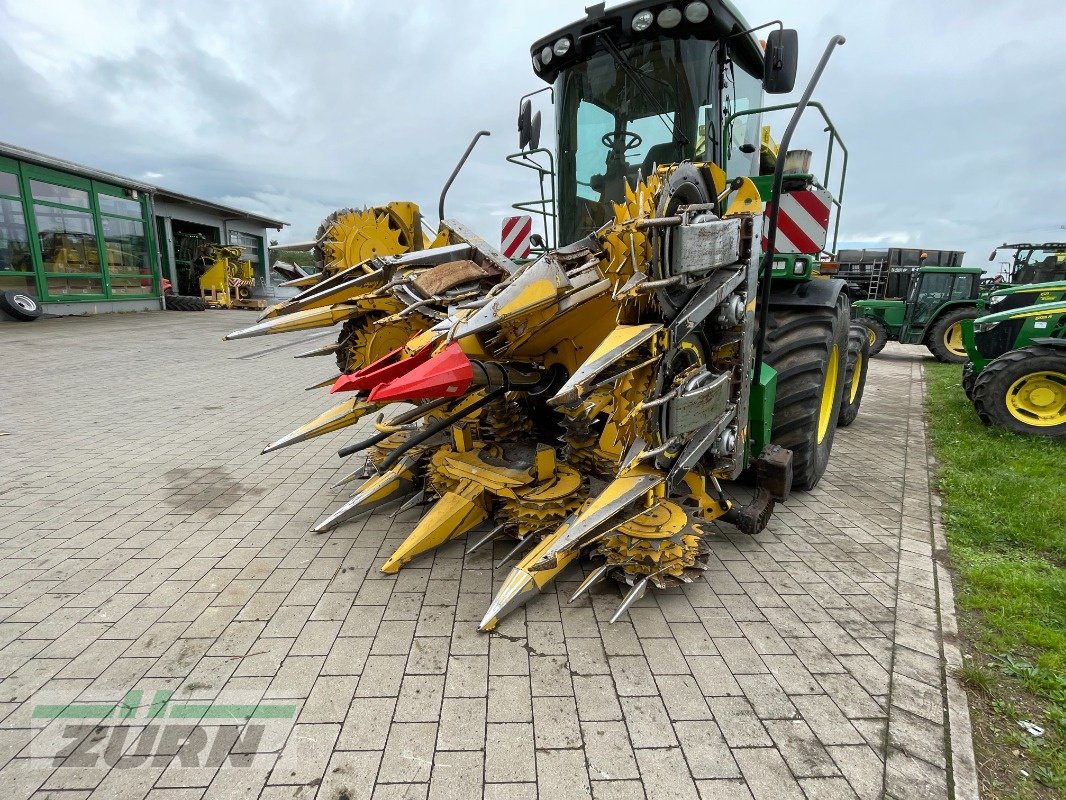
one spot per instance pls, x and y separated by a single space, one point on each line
562 47
669 18
642 21
546 55
697 12
536 63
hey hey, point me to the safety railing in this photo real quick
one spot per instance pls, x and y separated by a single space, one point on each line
834 137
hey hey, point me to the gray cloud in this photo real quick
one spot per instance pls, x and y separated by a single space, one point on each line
949 109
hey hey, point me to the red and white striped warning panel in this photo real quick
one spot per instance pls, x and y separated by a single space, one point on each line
803 223
514 238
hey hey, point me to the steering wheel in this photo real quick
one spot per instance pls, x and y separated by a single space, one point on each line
630 140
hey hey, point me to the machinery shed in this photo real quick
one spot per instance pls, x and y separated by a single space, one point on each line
86 241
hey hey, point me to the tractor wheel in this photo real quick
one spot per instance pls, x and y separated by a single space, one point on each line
808 348
876 333
945 338
1024 391
184 302
20 305
855 377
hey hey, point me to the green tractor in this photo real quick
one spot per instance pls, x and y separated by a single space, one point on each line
938 301
1031 263
1016 375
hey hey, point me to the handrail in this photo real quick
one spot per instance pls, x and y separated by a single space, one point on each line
833 135
545 206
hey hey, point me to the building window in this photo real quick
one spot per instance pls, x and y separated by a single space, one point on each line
125 245
124 206
250 246
54 193
68 240
16 260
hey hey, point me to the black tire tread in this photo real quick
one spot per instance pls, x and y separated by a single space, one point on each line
990 387
798 344
935 340
12 309
880 331
858 345
184 302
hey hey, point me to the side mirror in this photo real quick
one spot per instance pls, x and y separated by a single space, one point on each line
992 256
534 132
780 61
525 124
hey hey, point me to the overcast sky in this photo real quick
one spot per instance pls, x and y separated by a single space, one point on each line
951 110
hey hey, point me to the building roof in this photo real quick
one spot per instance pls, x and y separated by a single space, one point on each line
23 154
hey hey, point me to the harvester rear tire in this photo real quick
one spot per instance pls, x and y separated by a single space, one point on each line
184 302
876 332
808 348
855 377
948 349
1001 397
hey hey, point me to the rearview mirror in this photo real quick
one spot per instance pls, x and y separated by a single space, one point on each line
534 132
992 256
780 61
525 124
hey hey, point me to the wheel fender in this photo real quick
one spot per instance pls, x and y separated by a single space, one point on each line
1048 341
821 292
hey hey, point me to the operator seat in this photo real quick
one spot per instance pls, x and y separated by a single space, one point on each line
665 153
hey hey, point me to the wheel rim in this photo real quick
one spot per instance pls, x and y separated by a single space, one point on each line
953 339
1038 399
871 336
855 376
829 391
24 302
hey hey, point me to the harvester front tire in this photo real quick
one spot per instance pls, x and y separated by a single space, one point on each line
184 302
855 377
1024 391
808 348
876 333
945 338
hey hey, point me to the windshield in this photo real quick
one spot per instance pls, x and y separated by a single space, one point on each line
617 121
1039 265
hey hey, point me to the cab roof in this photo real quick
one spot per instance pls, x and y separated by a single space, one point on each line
617 22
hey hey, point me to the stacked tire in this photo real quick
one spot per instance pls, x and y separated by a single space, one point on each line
184 302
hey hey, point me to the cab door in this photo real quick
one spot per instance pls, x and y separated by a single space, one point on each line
929 291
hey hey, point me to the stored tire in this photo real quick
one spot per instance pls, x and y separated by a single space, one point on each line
876 333
808 348
19 305
855 376
184 302
945 337
1024 391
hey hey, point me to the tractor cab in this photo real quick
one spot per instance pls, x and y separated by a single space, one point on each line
1034 263
933 290
650 83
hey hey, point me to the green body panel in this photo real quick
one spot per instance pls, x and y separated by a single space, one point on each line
890 312
761 408
793 267
765 183
1042 321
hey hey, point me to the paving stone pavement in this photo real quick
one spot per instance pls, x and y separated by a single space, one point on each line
158 585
